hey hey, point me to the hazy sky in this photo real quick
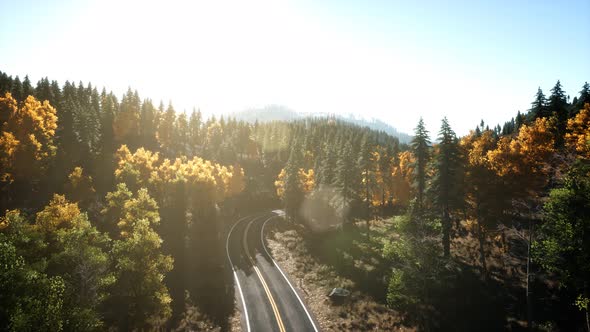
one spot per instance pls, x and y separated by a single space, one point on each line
394 60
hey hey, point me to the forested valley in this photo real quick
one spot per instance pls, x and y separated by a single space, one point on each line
114 210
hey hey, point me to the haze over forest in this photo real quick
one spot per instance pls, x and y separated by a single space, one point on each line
278 165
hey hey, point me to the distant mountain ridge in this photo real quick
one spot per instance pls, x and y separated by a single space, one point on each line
282 113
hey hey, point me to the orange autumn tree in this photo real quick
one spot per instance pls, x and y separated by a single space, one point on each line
484 190
577 137
135 169
524 160
144 168
79 187
402 178
60 213
306 181
186 192
26 142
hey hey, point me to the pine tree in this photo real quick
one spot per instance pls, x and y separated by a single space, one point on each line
165 133
364 166
44 91
17 90
421 149
328 165
539 106
578 104
346 176
126 124
445 183
68 147
27 88
147 129
194 140
181 134
558 107
104 167
293 196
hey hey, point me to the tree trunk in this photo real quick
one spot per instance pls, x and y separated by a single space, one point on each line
383 203
446 228
482 253
529 305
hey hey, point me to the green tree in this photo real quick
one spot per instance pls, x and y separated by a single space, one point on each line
346 179
445 184
126 122
293 195
147 130
181 135
17 90
420 147
558 107
31 300
166 131
77 253
539 106
27 87
194 133
564 247
579 103
139 300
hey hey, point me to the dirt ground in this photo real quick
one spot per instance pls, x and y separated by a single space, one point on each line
357 313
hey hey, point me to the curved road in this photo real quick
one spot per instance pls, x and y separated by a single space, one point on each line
267 297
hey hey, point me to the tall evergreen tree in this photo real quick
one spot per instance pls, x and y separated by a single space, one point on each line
293 193
539 106
27 88
194 140
364 166
166 131
147 129
420 146
583 99
181 134
126 124
445 183
68 147
346 176
558 107
17 90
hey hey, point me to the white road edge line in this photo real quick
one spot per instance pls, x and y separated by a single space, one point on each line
283 274
235 274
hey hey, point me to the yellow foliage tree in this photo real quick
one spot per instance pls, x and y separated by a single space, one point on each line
577 138
525 159
26 142
237 181
209 181
135 169
79 187
60 213
306 181
402 178
383 170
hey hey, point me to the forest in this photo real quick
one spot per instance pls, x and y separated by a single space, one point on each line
114 210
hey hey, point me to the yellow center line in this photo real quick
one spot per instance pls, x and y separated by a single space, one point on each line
273 304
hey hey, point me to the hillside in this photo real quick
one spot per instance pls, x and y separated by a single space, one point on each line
282 113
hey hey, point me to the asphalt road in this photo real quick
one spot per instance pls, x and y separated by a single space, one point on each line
268 299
